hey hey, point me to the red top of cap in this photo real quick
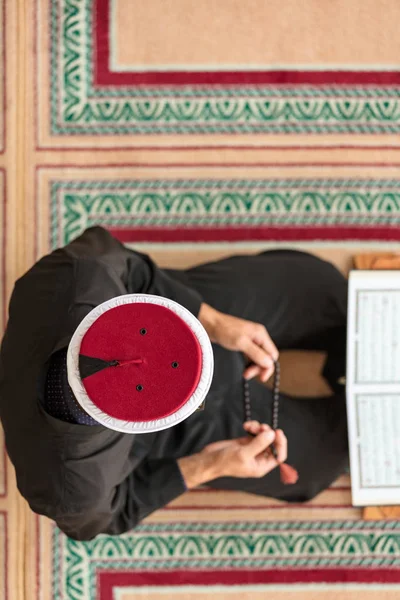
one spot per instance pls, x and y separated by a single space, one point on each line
168 374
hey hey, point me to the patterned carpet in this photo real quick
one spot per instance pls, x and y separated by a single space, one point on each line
224 540
195 132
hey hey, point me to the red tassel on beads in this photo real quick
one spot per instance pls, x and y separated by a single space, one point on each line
289 475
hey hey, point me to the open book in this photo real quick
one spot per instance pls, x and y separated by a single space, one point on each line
373 386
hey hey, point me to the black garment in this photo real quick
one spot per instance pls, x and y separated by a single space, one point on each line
94 480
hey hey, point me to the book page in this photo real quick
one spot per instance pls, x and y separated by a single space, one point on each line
377 331
373 386
379 450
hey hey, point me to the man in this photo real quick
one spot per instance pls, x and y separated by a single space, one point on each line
91 479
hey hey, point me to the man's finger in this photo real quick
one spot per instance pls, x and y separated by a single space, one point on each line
258 355
255 427
250 424
271 349
281 445
265 464
259 443
255 371
252 427
264 340
251 371
266 374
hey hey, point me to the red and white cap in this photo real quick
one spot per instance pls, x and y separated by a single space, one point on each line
140 363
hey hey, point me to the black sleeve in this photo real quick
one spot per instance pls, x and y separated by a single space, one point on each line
99 507
137 272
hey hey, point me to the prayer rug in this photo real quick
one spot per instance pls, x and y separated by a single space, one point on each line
278 125
228 545
194 129
155 74
12 507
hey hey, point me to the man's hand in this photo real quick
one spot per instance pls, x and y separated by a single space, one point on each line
243 457
244 336
249 456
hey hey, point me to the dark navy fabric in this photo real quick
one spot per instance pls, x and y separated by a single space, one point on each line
59 400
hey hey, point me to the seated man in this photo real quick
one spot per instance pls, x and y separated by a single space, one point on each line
91 479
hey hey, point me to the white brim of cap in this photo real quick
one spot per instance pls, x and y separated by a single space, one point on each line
182 413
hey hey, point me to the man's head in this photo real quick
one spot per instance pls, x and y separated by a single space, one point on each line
140 363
